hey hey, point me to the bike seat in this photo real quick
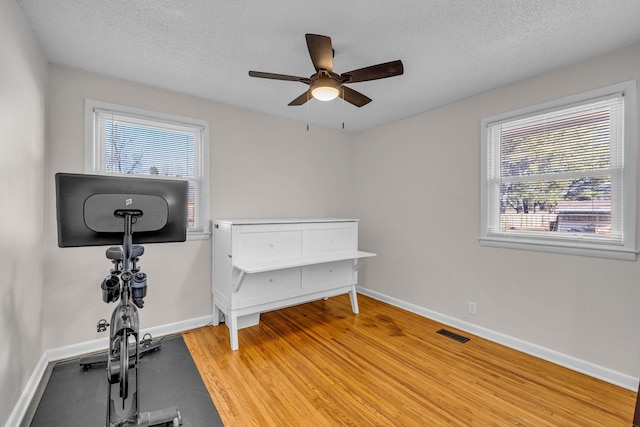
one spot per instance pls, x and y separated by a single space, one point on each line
115 253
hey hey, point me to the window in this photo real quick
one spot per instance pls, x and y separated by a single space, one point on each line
126 141
560 177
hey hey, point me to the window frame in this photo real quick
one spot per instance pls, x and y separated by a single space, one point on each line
568 245
90 150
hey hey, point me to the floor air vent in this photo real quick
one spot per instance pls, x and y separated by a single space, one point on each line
453 336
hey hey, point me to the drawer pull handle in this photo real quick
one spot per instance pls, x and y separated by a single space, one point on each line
331 270
271 280
272 245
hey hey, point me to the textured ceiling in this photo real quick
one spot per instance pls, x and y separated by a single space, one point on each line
451 49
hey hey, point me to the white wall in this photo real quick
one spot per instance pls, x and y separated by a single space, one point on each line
421 219
23 86
261 166
418 197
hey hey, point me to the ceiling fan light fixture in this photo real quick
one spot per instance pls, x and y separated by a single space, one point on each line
324 84
325 89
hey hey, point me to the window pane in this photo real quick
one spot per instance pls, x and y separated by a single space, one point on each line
140 150
567 144
580 205
553 172
138 143
193 213
560 176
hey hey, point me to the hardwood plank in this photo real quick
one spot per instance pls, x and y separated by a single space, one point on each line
318 364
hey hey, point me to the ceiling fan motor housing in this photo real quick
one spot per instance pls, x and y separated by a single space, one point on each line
324 87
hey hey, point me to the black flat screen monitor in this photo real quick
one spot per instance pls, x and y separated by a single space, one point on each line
88 208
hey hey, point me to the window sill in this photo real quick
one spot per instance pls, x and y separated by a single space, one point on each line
566 248
198 235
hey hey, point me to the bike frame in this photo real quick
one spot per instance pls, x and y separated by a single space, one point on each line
125 324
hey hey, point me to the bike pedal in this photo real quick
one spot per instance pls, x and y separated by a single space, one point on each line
102 325
146 340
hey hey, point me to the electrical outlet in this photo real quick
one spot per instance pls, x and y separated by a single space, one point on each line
472 308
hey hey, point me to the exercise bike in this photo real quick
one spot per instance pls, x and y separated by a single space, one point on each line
98 210
128 284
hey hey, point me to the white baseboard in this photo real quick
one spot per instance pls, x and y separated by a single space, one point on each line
600 372
16 416
75 350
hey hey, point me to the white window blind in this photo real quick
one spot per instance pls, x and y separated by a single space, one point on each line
126 143
557 175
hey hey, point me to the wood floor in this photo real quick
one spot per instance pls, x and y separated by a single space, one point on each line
318 364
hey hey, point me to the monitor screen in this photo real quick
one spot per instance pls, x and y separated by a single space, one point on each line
90 207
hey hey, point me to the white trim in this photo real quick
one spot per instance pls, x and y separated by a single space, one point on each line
541 243
79 349
29 391
568 248
596 371
89 149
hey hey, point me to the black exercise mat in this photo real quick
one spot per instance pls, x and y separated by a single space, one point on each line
168 378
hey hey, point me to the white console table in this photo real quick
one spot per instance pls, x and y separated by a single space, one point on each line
266 264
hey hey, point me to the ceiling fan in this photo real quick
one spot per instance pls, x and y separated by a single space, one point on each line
326 85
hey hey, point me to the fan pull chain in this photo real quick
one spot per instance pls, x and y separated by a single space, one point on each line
308 99
342 107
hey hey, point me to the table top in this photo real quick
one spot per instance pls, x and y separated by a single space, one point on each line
258 266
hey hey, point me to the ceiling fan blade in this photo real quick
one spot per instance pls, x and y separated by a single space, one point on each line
301 99
354 97
278 77
320 51
374 72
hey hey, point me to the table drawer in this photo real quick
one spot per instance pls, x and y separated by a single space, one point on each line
256 245
329 273
341 237
260 285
